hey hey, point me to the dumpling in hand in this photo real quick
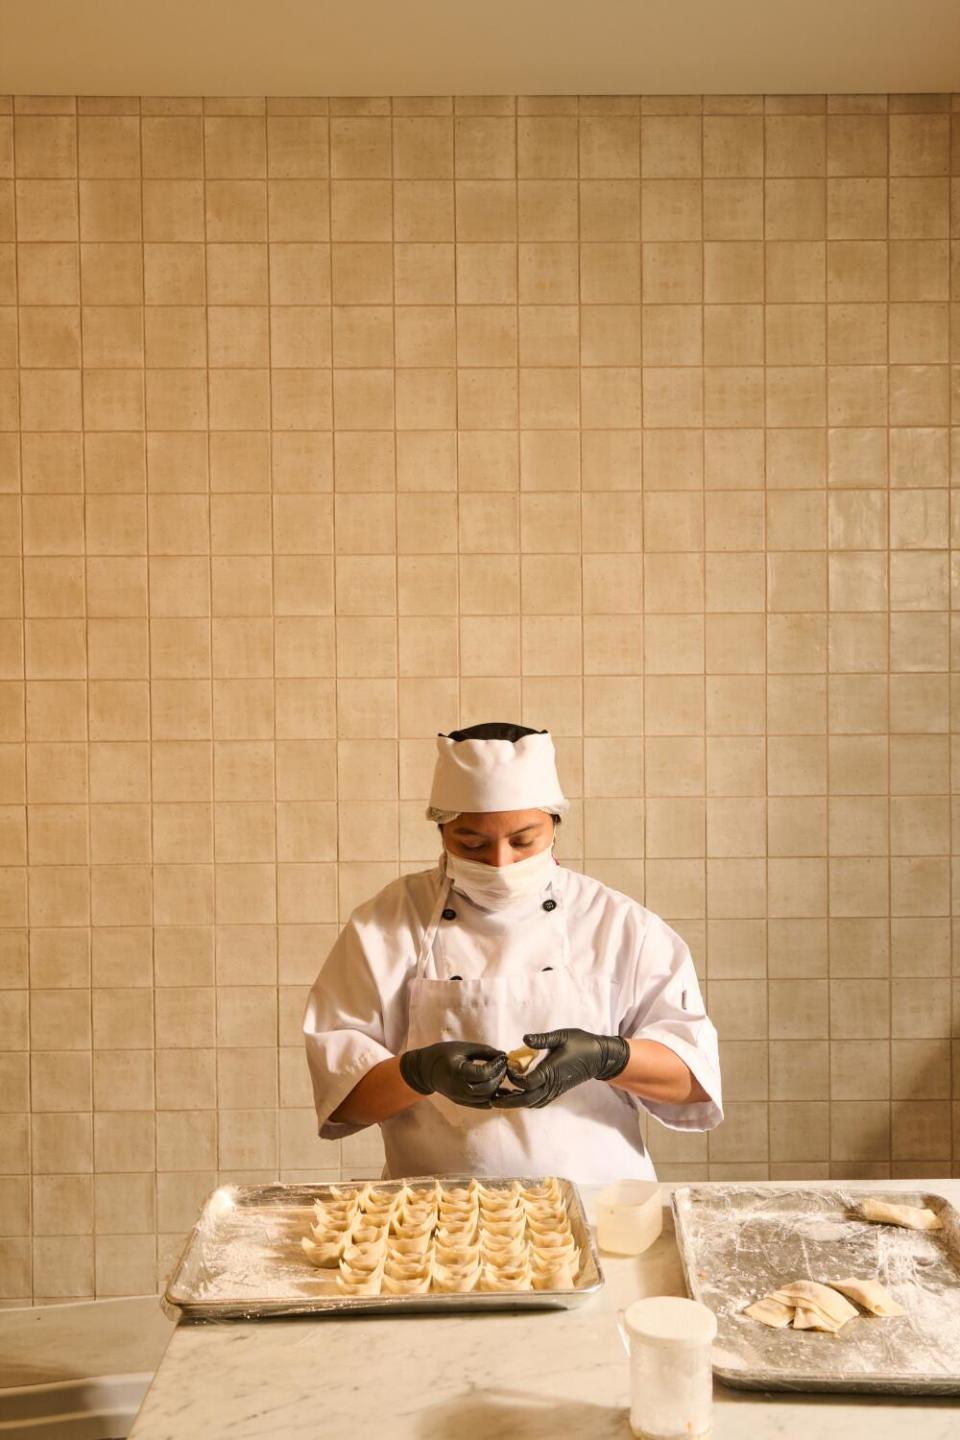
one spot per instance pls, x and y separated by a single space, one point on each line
520 1062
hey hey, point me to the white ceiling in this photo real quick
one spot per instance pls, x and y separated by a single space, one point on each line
438 47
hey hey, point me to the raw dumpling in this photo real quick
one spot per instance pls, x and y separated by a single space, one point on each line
410 1224
519 1063
870 1294
511 1209
812 1295
554 1274
411 1244
379 1213
912 1217
805 1319
770 1312
406 1285
501 1197
559 1225
368 1234
448 1280
454 1235
558 1243
504 1277
453 1256
364 1259
461 1194
324 1255
334 1217
502 1248
542 1190
559 1279
360 1272
521 1060
458 1220
342 1194
324 1231
365 1285
511 1226
401 1265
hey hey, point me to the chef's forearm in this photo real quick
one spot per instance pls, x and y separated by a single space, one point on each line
381 1093
655 1072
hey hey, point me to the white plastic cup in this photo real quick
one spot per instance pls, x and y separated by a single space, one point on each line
629 1216
669 1342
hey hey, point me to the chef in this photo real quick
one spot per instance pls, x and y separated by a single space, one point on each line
436 978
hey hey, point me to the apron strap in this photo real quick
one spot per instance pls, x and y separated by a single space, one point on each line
433 925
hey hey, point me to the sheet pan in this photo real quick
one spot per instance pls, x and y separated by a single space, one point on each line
737 1242
243 1260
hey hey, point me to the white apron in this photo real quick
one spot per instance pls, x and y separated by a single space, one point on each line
591 1134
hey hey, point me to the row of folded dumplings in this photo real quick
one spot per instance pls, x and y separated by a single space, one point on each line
433 1239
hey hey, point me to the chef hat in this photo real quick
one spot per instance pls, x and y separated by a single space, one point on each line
495 767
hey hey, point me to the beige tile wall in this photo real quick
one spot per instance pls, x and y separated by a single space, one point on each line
333 421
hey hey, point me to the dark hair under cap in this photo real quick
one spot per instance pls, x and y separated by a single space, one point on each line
494 730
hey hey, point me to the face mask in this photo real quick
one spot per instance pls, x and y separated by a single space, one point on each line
494 887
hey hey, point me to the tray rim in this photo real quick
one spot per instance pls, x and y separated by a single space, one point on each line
342 1305
798 1381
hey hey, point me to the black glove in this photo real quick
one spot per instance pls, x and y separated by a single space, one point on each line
464 1071
575 1056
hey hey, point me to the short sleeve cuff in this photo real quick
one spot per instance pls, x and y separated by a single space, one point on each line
332 1086
701 1114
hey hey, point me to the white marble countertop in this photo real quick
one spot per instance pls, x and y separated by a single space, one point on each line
526 1376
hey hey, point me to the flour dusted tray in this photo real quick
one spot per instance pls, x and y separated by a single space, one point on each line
244 1260
738 1242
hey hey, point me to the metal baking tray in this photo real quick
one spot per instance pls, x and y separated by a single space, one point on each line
738 1242
243 1260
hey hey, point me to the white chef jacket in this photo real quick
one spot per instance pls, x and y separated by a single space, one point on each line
357 1012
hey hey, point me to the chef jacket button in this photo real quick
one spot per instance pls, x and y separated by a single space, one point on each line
549 904
449 914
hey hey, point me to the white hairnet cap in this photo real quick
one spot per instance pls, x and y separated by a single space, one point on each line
478 776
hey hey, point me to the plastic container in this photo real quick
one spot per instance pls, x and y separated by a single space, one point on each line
629 1216
669 1342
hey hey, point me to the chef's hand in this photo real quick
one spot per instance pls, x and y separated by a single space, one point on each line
462 1070
575 1056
